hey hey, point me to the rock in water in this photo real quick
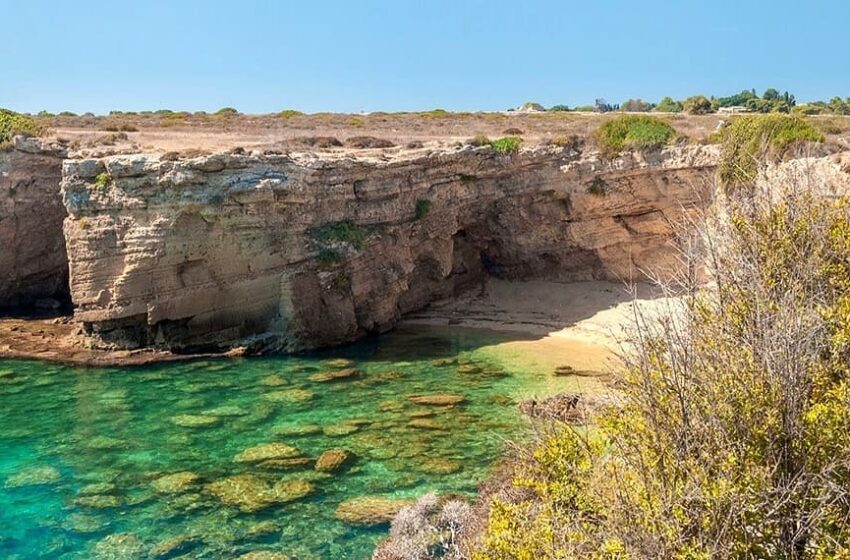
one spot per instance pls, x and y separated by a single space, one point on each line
334 460
195 421
266 452
33 476
370 510
177 482
338 375
437 400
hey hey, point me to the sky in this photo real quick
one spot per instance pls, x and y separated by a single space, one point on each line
370 55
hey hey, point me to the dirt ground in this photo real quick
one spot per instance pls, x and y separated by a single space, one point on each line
183 131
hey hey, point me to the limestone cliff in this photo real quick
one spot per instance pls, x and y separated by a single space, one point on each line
33 263
293 252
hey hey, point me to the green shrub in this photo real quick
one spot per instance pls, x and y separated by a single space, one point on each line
749 139
340 232
506 145
12 124
224 111
423 205
559 109
633 132
102 180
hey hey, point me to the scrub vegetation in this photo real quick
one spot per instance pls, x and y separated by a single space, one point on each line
730 432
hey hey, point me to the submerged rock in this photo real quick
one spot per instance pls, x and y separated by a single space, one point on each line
290 396
226 411
261 529
97 488
251 493
439 465
286 464
334 460
195 421
338 375
34 476
175 546
264 555
104 501
85 524
273 380
370 510
298 430
339 363
437 400
340 429
267 451
427 424
177 482
120 546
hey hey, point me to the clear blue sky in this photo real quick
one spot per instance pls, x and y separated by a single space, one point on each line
355 55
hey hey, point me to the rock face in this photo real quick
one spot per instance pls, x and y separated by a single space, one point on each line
33 263
273 252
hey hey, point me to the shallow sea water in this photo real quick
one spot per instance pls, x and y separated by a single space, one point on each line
81 450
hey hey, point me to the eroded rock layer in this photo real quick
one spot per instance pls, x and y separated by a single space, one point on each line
289 253
33 263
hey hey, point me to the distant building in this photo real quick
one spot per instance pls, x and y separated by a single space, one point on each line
733 110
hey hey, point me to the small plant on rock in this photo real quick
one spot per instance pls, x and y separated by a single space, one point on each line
102 181
423 205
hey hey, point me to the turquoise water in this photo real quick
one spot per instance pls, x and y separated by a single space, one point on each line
83 452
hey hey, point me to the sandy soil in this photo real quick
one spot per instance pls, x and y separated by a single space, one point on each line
582 325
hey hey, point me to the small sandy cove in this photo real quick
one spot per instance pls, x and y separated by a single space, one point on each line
581 325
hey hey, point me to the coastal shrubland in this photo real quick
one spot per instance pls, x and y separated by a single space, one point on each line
730 436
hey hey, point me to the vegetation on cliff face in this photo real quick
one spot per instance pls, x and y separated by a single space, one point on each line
747 140
12 124
732 437
633 132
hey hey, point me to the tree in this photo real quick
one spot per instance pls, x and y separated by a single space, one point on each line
669 105
636 106
698 105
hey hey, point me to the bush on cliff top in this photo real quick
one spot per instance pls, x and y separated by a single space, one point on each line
751 139
12 124
506 145
633 132
732 437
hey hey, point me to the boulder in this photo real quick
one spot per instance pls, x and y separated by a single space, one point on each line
334 460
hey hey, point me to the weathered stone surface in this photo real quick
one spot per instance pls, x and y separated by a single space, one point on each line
33 262
235 256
